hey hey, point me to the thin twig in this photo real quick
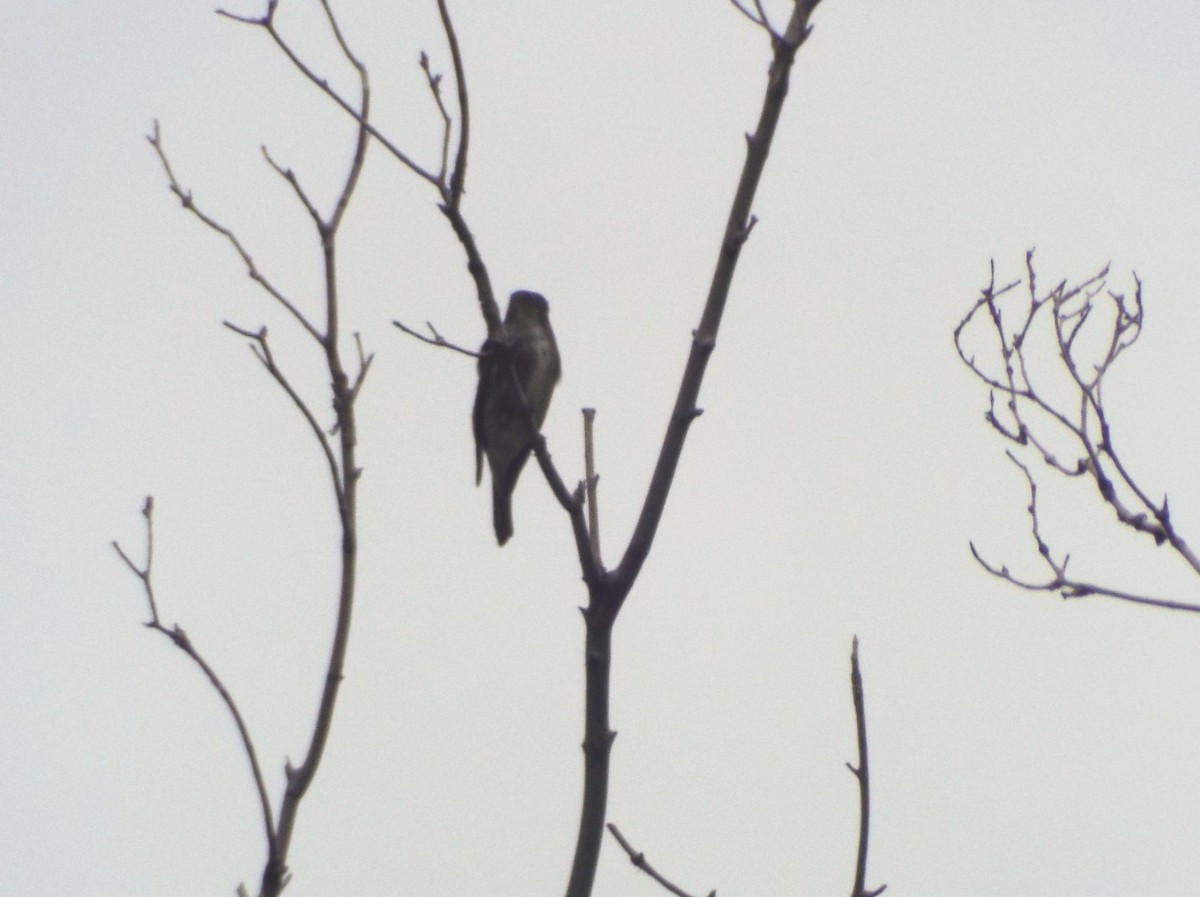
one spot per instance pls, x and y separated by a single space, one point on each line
290 176
591 480
639 860
180 639
759 18
458 179
863 775
436 340
435 87
364 365
1060 581
267 23
262 351
185 197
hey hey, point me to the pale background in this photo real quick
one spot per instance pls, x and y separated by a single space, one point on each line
1021 746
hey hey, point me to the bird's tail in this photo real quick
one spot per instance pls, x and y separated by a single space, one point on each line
501 511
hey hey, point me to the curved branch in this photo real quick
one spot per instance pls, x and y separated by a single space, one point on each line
179 638
1087 424
458 178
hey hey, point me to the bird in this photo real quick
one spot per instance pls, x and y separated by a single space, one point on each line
517 376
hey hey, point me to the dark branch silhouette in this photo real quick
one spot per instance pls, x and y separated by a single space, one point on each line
639 860
181 641
607 590
338 444
863 774
1091 327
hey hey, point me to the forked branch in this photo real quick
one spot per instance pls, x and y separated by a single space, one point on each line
338 444
145 573
1024 409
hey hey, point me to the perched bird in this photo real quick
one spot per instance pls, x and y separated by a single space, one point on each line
523 368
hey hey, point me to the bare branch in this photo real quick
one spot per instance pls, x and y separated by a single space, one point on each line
344 395
435 88
267 23
290 176
862 773
458 179
436 340
343 471
607 591
737 229
1060 581
591 480
758 17
179 638
573 504
639 860
185 197
364 365
262 351
1083 419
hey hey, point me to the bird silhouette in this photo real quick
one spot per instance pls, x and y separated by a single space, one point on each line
517 376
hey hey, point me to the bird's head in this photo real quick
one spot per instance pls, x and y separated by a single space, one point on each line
525 305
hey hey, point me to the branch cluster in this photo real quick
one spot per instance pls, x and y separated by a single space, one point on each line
1043 406
336 441
607 589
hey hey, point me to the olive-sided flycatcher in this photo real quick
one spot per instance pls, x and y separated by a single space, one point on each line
501 418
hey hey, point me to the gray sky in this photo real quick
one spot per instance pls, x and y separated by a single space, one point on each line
1021 746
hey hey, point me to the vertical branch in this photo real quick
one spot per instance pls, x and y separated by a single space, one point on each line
458 178
343 469
597 747
344 394
862 773
607 591
591 480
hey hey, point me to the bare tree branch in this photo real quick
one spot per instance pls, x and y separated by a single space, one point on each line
343 470
458 180
1060 581
179 638
262 351
436 340
344 395
759 18
639 860
185 197
862 773
591 481
607 591
435 88
450 190
737 229
1032 417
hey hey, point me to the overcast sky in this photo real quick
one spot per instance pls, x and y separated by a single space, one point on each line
1021 745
